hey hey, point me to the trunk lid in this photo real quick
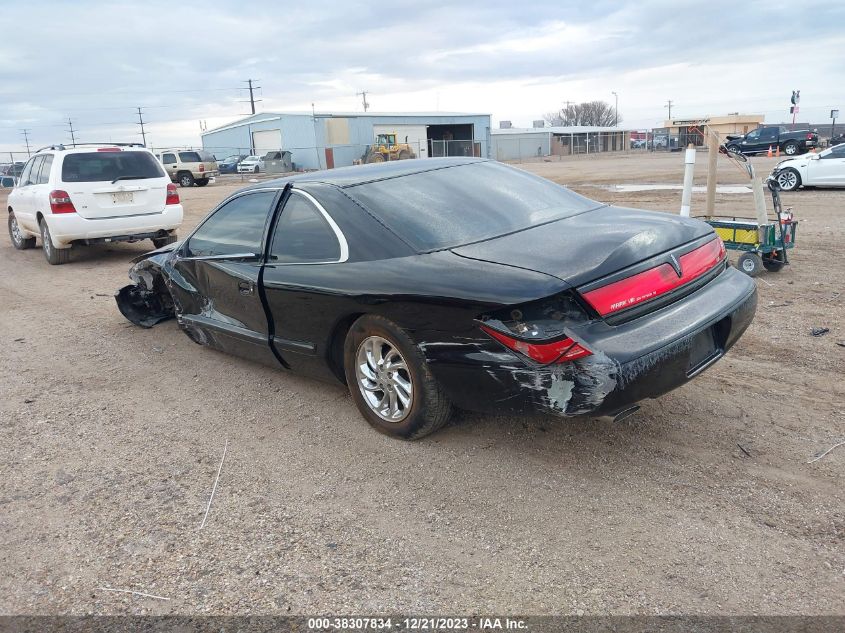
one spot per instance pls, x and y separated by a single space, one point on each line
586 247
113 182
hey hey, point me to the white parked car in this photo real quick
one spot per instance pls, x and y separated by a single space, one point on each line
826 169
89 194
251 165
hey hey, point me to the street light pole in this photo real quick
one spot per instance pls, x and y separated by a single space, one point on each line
616 111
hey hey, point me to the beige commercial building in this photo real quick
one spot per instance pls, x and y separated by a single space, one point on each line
690 130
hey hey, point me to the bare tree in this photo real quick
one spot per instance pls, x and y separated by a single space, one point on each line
597 113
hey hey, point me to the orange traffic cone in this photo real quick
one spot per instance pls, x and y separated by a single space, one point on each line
777 151
769 153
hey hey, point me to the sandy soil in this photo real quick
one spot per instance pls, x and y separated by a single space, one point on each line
111 437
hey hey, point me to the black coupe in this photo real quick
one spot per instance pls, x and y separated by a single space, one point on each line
428 284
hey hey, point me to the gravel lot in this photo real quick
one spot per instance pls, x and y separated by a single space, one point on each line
111 437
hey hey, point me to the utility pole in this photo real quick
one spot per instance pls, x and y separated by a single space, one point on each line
141 123
616 110
669 105
363 95
25 133
72 135
252 88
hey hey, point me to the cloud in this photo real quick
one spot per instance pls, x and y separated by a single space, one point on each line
96 62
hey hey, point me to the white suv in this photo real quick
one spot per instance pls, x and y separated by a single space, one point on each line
89 194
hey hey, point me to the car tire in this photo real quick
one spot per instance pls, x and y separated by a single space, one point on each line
160 242
750 263
789 179
18 240
54 256
734 149
201 182
186 179
790 148
427 410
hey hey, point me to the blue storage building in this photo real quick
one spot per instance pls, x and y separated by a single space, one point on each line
322 140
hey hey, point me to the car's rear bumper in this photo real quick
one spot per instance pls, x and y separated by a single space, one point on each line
71 227
643 358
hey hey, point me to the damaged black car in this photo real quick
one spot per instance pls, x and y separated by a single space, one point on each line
430 284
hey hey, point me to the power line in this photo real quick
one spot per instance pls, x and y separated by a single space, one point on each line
363 95
141 123
252 98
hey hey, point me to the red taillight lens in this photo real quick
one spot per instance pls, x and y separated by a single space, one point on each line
809 137
172 194
557 352
651 283
60 202
201 168
109 149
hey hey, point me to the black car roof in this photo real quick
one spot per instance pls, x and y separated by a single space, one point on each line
360 174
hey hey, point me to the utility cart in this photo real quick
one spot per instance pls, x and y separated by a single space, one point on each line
762 245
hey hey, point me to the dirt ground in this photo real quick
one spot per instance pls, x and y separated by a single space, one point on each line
111 437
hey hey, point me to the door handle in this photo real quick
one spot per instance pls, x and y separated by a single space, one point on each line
246 287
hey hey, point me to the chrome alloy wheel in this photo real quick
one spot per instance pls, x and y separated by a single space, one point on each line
383 379
787 180
15 230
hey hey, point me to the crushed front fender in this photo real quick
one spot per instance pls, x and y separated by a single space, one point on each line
147 301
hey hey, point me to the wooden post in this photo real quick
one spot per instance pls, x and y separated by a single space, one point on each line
759 200
713 143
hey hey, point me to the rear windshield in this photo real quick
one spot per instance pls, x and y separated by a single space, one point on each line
106 166
468 203
195 157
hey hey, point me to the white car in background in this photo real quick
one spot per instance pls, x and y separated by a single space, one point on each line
87 194
251 165
826 169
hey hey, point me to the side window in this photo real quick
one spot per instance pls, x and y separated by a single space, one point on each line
27 170
836 152
36 167
768 134
303 235
168 159
44 173
235 228
753 135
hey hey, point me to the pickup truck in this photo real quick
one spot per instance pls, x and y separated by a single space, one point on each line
760 140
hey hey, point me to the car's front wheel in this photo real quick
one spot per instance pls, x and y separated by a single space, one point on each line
391 382
18 240
734 149
53 255
789 179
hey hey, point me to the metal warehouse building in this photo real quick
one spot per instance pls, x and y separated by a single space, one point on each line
523 143
324 140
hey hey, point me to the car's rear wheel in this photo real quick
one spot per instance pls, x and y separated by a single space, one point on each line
391 382
750 263
201 182
158 242
18 240
186 179
789 179
53 255
790 148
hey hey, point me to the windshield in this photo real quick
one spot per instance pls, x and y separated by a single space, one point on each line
107 166
449 207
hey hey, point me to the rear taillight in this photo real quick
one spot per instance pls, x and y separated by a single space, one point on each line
201 168
60 202
809 137
561 351
656 281
172 194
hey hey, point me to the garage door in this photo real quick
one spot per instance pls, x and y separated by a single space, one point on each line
417 137
266 141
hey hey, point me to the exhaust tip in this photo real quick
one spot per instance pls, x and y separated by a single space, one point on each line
626 413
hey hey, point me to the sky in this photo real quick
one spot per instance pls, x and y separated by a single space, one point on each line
185 64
